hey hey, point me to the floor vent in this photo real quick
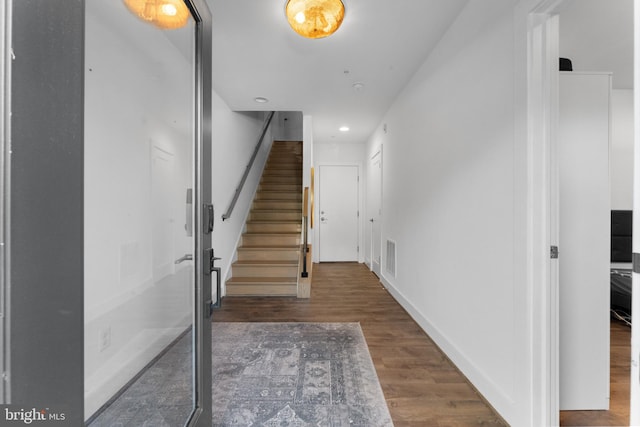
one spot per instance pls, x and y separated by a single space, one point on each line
391 257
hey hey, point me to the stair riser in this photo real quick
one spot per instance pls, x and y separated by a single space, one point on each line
267 240
288 180
264 271
294 188
285 154
279 195
291 145
292 227
258 290
275 216
284 162
277 205
282 172
270 255
290 162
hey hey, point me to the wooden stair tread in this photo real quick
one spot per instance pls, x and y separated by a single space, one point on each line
257 222
257 233
276 210
262 280
267 263
269 248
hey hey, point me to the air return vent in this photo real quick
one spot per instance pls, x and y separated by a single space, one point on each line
391 257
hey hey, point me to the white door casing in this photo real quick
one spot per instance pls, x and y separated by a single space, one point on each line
375 209
543 42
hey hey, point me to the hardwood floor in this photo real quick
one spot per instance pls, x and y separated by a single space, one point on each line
421 386
618 413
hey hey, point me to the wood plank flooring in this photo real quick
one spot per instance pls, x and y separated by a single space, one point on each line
421 385
618 413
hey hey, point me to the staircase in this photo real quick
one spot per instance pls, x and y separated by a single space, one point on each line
268 255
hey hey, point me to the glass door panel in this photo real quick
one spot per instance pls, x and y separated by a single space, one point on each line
140 232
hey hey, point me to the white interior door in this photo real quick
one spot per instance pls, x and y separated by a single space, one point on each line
635 304
375 209
338 206
585 224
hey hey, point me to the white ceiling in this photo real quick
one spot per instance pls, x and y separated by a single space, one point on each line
597 35
381 44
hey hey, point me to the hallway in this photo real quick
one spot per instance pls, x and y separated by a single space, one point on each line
421 386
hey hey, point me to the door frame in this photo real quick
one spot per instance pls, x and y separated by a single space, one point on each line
5 102
543 216
373 236
201 201
51 272
542 210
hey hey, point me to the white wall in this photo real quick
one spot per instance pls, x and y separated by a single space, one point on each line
341 154
455 199
235 135
287 126
622 149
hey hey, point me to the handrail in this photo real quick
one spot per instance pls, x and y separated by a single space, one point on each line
305 218
232 205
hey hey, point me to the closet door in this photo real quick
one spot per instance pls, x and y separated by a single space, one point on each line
584 259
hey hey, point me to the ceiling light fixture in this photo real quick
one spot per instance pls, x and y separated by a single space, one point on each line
344 129
261 100
315 19
164 14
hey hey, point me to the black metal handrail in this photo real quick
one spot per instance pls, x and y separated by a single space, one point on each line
236 195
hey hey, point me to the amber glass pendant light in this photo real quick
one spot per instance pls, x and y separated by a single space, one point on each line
315 19
165 14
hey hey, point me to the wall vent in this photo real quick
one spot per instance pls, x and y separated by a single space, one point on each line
391 257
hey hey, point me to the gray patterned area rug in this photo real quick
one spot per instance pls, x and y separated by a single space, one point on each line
295 374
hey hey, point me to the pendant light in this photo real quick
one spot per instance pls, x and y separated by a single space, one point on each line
315 19
164 14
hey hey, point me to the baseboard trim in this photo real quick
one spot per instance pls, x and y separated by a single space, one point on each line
492 394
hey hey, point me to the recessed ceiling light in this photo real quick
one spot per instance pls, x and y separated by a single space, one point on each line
261 100
344 129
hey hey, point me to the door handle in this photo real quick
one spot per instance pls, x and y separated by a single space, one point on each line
186 257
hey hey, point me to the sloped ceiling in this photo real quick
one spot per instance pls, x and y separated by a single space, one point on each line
380 44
